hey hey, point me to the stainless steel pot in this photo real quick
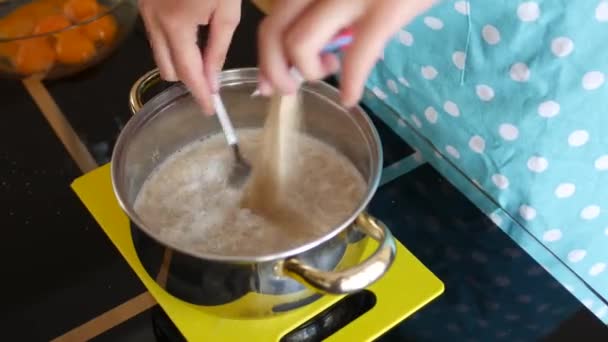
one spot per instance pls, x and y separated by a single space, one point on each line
259 285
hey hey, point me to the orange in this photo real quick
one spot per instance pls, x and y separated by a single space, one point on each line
22 20
101 30
8 50
80 10
51 23
34 55
15 26
73 47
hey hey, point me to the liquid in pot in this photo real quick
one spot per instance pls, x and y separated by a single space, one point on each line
189 203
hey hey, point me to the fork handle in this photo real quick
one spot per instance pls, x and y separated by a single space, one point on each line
222 115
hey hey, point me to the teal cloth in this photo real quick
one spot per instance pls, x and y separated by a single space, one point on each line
507 100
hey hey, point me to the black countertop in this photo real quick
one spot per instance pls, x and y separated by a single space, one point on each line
60 270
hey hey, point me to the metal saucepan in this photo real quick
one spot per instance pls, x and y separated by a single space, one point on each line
260 285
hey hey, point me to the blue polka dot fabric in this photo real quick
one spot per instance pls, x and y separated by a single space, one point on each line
494 290
507 100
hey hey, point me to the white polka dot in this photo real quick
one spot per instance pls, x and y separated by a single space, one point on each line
601 11
452 327
401 122
392 86
438 155
501 181
535 270
426 334
511 317
431 114
406 38
490 34
578 138
404 81
601 312
548 109
590 212
601 163
484 92
379 93
527 212
593 80
416 121
577 255
463 308
508 132
542 307
497 220
477 144
479 257
433 23
552 235
459 58
451 108
452 255
597 268
528 11
428 72
606 231
502 281
524 299
565 190
588 303
538 164
452 151
519 72
462 7
512 252
570 288
418 156
562 46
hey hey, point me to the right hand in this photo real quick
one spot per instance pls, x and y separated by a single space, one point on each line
296 31
172 27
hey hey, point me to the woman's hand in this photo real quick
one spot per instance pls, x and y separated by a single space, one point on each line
296 31
172 27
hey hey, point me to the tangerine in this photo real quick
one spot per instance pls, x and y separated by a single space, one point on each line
73 47
80 10
101 30
15 26
8 50
34 55
51 23
21 21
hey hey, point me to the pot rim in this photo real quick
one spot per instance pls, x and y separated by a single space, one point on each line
227 77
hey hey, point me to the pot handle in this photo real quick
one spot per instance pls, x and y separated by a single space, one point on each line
355 278
140 86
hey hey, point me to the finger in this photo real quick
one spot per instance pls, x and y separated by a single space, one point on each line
160 50
221 29
371 34
188 63
318 24
274 64
330 64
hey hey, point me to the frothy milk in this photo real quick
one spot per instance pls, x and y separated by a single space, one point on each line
187 199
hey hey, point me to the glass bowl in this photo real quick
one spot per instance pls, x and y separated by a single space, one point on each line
50 39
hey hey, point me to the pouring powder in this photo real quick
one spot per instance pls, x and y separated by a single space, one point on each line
272 172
